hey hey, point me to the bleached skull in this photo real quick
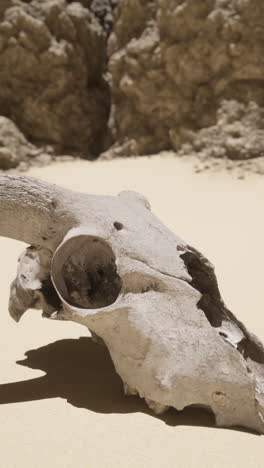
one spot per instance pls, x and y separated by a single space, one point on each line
154 302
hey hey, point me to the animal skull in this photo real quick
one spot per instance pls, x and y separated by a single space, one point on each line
111 265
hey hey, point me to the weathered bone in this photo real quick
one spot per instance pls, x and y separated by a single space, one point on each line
111 265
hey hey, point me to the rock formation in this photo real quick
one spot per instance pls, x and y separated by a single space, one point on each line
14 148
238 134
52 56
16 151
103 9
135 76
175 64
152 300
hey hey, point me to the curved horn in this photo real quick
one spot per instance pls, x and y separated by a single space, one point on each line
30 208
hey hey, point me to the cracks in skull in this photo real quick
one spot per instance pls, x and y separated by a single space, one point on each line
140 283
211 303
155 270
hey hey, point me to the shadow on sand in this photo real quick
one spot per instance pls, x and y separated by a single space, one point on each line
82 372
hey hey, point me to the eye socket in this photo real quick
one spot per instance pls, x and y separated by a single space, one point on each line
86 274
118 226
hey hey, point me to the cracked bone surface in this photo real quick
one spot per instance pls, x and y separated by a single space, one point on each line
110 264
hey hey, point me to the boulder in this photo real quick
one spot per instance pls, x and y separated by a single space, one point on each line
52 57
175 64
14 147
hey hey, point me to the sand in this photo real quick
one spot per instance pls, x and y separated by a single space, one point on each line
60 409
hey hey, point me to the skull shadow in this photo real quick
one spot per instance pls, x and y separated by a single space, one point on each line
81 372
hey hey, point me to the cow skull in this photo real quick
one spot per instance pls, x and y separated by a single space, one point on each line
108 263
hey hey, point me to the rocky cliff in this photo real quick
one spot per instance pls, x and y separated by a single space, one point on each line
135 76
52 56
178 64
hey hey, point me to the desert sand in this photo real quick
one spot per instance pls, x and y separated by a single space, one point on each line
61 401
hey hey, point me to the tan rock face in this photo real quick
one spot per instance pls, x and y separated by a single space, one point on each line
52 56
183 75
237 134
174 64
14 148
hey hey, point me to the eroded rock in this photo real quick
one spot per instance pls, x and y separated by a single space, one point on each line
104 11
14 147
52 55
174 65
237 134
184 75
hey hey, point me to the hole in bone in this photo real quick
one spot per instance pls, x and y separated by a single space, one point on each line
89 274
180 248
118 226
249 370
249 349
204 281
224 335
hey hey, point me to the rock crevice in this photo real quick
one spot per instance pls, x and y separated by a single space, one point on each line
135 77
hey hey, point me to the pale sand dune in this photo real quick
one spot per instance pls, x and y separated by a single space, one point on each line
97 427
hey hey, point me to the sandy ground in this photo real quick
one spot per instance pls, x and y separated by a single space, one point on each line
62 405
